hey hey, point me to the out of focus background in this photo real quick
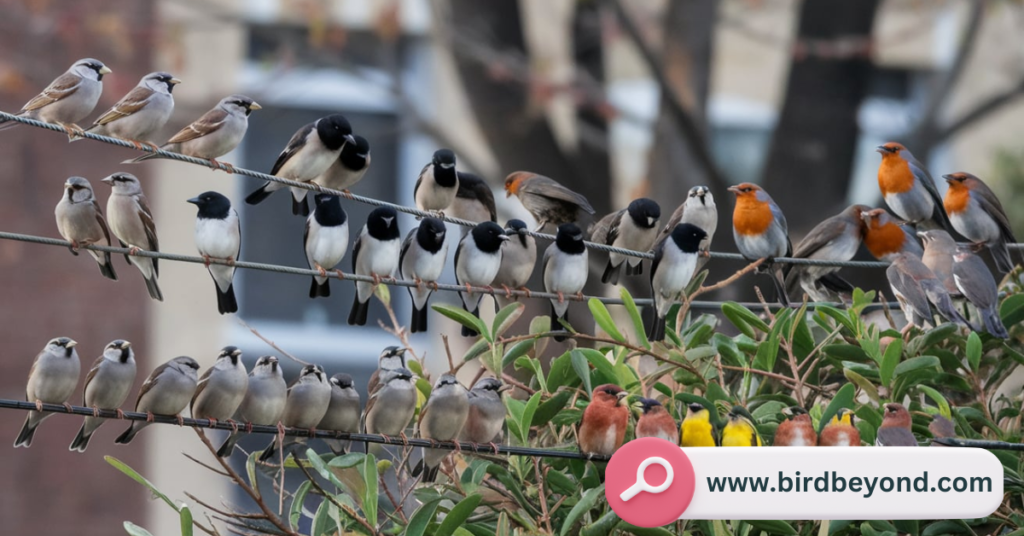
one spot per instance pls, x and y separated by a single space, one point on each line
616 99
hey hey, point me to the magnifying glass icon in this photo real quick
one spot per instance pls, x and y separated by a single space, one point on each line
642 485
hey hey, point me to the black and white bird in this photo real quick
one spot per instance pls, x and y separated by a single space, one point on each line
132 223
68 99
424 253
343 413
264 400
374 254
80 221
52 380
565 271
142 112
634 227
518 258
441 419
222 387
349 168
219 236
700 210
438 182
477 260
675 261
474 201
309 153
106 387
309 396
325 241
166 391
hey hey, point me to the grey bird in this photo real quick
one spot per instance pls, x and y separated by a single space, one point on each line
343 413
69 98
698 209
836 239
309 396
349 168
167 391
391 406
52 380
106 387
941 427
222 387
80 221
422 259
442 419
264 400
939 249
474 201
979 287
518 258
325 241
675 261
142 112
213 135
486 412
391 358
132 223
565 271
477 260
634 227
916 289
219 236
438 182
374 254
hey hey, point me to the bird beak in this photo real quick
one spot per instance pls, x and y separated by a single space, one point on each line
921 235
105 70
949 178
734 189
505 387
125 345
71 344
108 180
865 215
350 139
503 237
255 106
175 81
650 221
401 351
67 186
622 396
194 201
881 149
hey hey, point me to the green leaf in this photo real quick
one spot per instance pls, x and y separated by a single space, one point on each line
549 408
185 514
505 318
937 335
458 515
135 530
720 529
321 467
134 475
586 502
599 361
907 526
422 518
463 317
479 347
250 469
322 521
295 513
919 362
846 352
825 312
383 294
974 351
533 364
944 527
890 359
582 368
862 382
528 412
696 283
603 526
766 354
644 531
842 399
516 351
345 461
559 483
561 373
744 319
1012 310
634 315
728 349
371 496
604 319
772 527
938 399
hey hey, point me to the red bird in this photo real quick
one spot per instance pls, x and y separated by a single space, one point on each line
908 188
603 428
760 231
885 236
895 429
796 431
840 432
656 422
976 213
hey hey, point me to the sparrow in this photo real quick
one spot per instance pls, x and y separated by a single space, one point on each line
836 239
518 257
308 398
309 153
391 358
975 212
80 221
474 201
438 182
634 227
656 422
840 431
264 400
565 271
142 112
350 166
486 412
603 427
895 428
52 380
132 223
796 431
697 429
886 237
219 236
343 412
424 252
941 427
760 231
213 135
374 254
106 387
441 419
739 430
477 260
546 200
939 249
391 405
908 188
166 391
69 98
222 387
675 262
916 288
700 210
976 283
325 241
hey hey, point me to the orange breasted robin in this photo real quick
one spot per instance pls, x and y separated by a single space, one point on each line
916 289
908 188
939 249
835 239
840 431
656 421
895 429
603 427
547 200
941 427
885 236
975 212
760 231
796 431
976 284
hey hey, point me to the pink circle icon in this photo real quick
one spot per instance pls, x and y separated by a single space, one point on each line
649 482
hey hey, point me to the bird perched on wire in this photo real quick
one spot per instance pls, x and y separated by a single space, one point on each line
142 112
80 221
438 182
885 237
760 231
518 257
392 404
796 431
835 239
840 431
675 261
939 249
106 387
603 427
325 241
908 188
700 210
222 387
375 254
219 236
132 223
739 430
391 358
545 199
916 289
51 380
309 396
424 253
264 400
349 168
474 201
486 412
565 271
656 421
166 391
895 428
441 419
975 212
477 260
634 227
343 413
976 284
697 429
941 427
68 99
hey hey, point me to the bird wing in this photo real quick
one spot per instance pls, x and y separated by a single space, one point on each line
146 215
102 222
355 253
92 374
543 186
606 230
61 88
473 187
909 289
975 281
406 244
209 123
659 252
151 382
204 381
295 145
820 236
991 205
134 101
921 175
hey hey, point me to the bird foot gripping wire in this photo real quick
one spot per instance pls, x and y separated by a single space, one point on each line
211 423
405 439
248 427
579 296
527 292
120 413
207 260
134 250
497 450
181 420
72 130
39 405
234 426
458 447
68 407
419 283
95 411
74 247
561 297
340 274
508 292
385 439
150 417
320 269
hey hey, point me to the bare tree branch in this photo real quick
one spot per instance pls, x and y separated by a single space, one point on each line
980 112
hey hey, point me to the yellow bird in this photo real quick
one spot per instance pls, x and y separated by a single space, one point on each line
740 430
696 430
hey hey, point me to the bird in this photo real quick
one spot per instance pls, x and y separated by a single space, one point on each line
438 182
391 406
132 223
603 427
941 427
141 113
477 260
700 210
836 239
840 431
939 249
68 99
976 283
309 153
391 358
166 391
634 227
916 288
374 254
908 188
80 221
675 261
545 199
655 421
264 400
325 241
739 430
308 398
518 258
441 419
895 428
474 201
51 380
106 387
222 387
215 134
886 237
697 429
219 236
796 431
349 168
486 412
422 259
760 231
565 269
975 212
343 412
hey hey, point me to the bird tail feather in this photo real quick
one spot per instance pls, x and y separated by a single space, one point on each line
107 267
611 274
228 447
780 287
1001 255
259 195
468 331
81 441
226 302
154 289
269 451
27 432
555 324
316 290
128 435
299 206
657 330
994 324
360 310
634 270
419 320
